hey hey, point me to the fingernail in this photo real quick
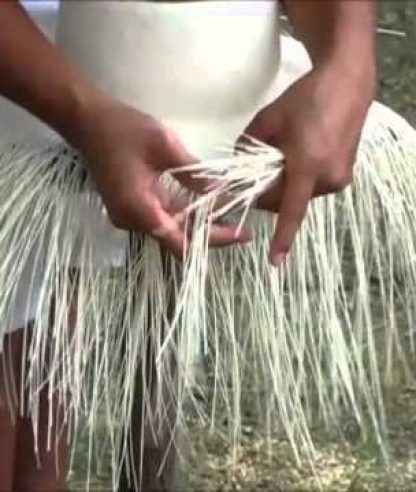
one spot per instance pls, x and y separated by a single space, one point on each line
279 259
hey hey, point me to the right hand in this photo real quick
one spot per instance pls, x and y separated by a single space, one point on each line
126 152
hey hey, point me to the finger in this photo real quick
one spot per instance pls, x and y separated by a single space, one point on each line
173 153
266 126
173 202
183 208
228 234
176 156
170 235
220 233
161 225
258 128
297 191
271 200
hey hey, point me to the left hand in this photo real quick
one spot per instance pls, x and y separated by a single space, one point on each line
316 123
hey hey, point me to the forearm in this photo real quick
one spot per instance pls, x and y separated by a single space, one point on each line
340 32
37 76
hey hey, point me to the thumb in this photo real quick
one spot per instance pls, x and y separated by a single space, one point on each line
177 157
258 128
266 124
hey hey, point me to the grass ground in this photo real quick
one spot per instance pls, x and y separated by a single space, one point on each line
397 57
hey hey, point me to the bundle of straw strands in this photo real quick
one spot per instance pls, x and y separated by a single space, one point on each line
301 336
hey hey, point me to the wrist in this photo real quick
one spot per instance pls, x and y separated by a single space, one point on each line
352 75
77 102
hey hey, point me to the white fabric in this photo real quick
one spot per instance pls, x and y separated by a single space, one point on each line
204 68
201 67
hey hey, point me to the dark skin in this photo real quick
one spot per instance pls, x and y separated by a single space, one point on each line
316 123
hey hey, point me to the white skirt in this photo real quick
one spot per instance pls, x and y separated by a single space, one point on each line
203 68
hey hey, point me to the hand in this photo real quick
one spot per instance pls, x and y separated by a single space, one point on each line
126 152
317 124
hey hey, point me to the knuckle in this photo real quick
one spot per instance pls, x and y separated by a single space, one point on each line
322 152
321 158
120 213
170 137
284 246
258 126
158 137
336 174
161 231
166 136
338 180
169 148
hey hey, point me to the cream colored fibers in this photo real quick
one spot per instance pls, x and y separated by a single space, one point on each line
302 334
300 337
